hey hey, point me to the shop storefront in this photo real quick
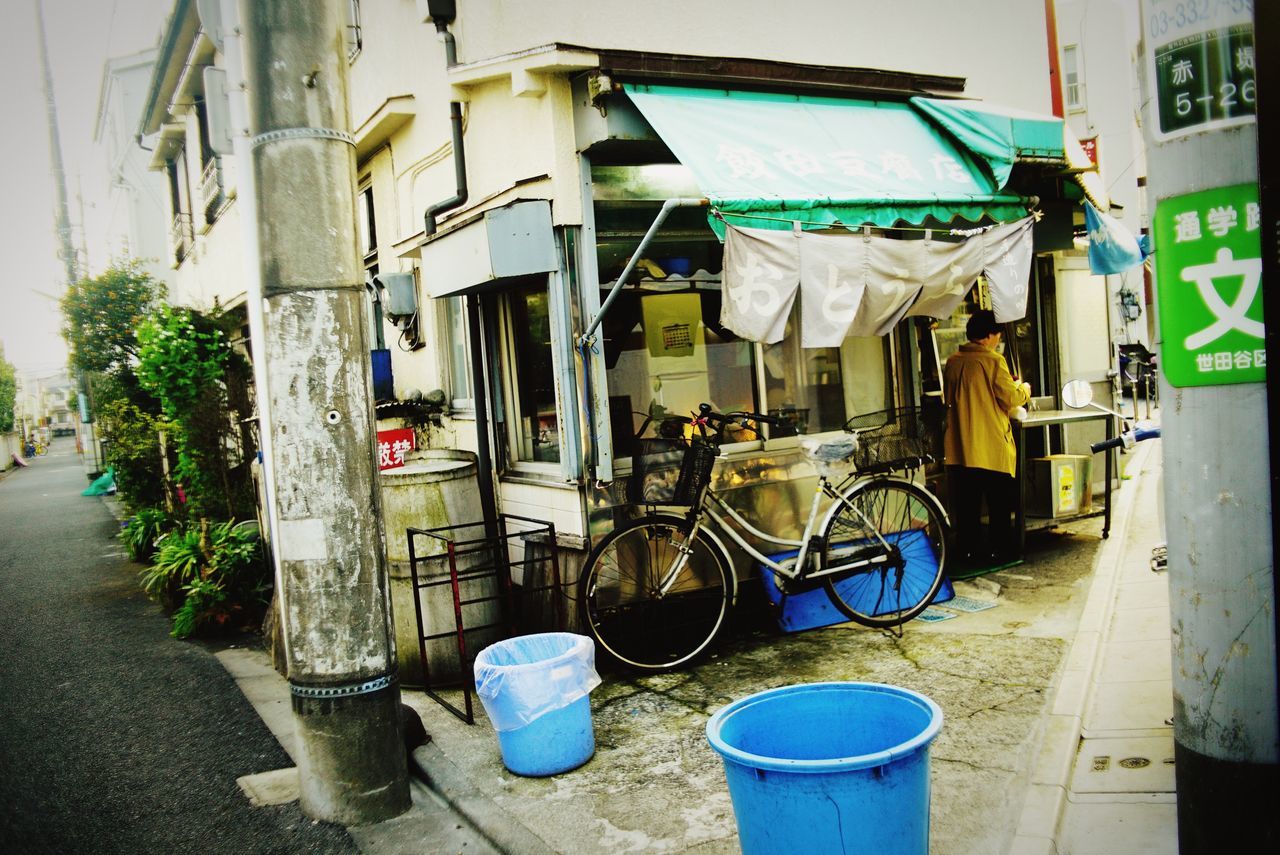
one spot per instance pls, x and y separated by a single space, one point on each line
912 212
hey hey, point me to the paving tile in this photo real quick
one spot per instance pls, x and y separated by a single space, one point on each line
1106 829
1124 765
1129 706
1140 624
1135 661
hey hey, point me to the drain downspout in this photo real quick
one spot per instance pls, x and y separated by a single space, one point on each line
479 377
459 155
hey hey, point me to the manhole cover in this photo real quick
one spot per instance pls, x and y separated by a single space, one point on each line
1135 762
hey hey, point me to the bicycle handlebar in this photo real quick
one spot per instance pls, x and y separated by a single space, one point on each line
1126 439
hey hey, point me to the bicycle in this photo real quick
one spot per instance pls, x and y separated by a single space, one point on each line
655 592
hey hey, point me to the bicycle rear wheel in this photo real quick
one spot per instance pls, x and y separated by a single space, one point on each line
893 534
638 620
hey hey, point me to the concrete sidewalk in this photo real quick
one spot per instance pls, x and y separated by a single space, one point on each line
1104 782
1024 668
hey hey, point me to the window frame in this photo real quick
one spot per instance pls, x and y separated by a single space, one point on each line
1072 82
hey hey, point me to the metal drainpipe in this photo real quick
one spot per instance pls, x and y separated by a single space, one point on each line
459 155
484 457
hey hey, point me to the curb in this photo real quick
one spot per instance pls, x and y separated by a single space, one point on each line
507 834
1046 796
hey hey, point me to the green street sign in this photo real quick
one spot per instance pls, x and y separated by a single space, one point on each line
1209 287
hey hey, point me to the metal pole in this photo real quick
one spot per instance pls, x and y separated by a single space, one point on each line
317 410
1215 434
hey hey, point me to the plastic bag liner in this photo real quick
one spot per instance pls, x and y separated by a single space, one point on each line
522 679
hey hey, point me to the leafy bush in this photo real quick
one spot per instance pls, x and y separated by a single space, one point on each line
140 532
215 574
101 314
185 359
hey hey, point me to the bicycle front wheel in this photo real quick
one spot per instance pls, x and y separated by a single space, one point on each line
892 536
652 598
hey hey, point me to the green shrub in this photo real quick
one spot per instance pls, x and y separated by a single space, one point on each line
215 574
140 533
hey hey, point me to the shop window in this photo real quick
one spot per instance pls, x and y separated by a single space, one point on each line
819 389
666 353
533 427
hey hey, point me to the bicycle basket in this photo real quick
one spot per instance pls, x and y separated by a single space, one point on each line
669 471
892 439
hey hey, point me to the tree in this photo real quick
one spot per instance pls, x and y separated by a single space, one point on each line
101 315
8 394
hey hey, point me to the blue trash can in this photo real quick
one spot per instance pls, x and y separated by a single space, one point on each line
535 690
829 767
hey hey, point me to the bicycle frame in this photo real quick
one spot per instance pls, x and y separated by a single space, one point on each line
732 524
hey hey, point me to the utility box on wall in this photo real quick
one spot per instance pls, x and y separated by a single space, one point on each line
1058 485
490 248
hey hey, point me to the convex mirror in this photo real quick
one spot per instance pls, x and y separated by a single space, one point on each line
1077 394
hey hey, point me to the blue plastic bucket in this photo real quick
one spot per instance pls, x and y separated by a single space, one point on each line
535 689
829 767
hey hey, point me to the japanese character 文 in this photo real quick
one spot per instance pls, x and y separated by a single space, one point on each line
1183 71
1252 216
850 163
948 168
899 165
1222 361
797 161
1186 226
1222 219
1204 362
1244 58
1243 358
742 162
384 454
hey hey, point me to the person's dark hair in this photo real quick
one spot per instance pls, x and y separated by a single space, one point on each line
982 323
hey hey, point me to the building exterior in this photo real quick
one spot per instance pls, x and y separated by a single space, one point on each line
198 180
1101 103
137 222
488 274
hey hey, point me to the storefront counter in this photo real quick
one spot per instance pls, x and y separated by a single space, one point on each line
1042 420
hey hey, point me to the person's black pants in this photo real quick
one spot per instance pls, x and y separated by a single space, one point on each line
970 489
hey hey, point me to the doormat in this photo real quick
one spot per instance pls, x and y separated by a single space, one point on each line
933 615
969 604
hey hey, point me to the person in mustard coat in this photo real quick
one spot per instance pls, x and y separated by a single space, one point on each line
978 446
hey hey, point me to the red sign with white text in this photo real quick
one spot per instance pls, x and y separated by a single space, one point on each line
393 445
1090 146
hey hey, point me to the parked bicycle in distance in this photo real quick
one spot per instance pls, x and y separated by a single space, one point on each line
656 591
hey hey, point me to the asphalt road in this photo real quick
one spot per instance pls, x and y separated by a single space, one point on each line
115 737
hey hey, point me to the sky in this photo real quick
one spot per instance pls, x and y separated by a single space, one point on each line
82 35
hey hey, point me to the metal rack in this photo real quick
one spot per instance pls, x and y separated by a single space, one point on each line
486 557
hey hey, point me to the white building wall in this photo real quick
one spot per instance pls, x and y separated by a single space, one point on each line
519 127
1106 38
137 221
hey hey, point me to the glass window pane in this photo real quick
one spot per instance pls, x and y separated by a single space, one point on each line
819 389
537 425
459 354
666 352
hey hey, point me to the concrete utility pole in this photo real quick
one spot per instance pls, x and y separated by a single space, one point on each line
66 249
331 579
1202 154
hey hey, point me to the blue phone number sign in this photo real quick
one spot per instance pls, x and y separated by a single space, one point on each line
1201 64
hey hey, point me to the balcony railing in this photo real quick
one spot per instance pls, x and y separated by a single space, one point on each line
180 236
211 193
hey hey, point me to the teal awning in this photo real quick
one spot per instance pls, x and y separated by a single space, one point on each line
777 158
1000 136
